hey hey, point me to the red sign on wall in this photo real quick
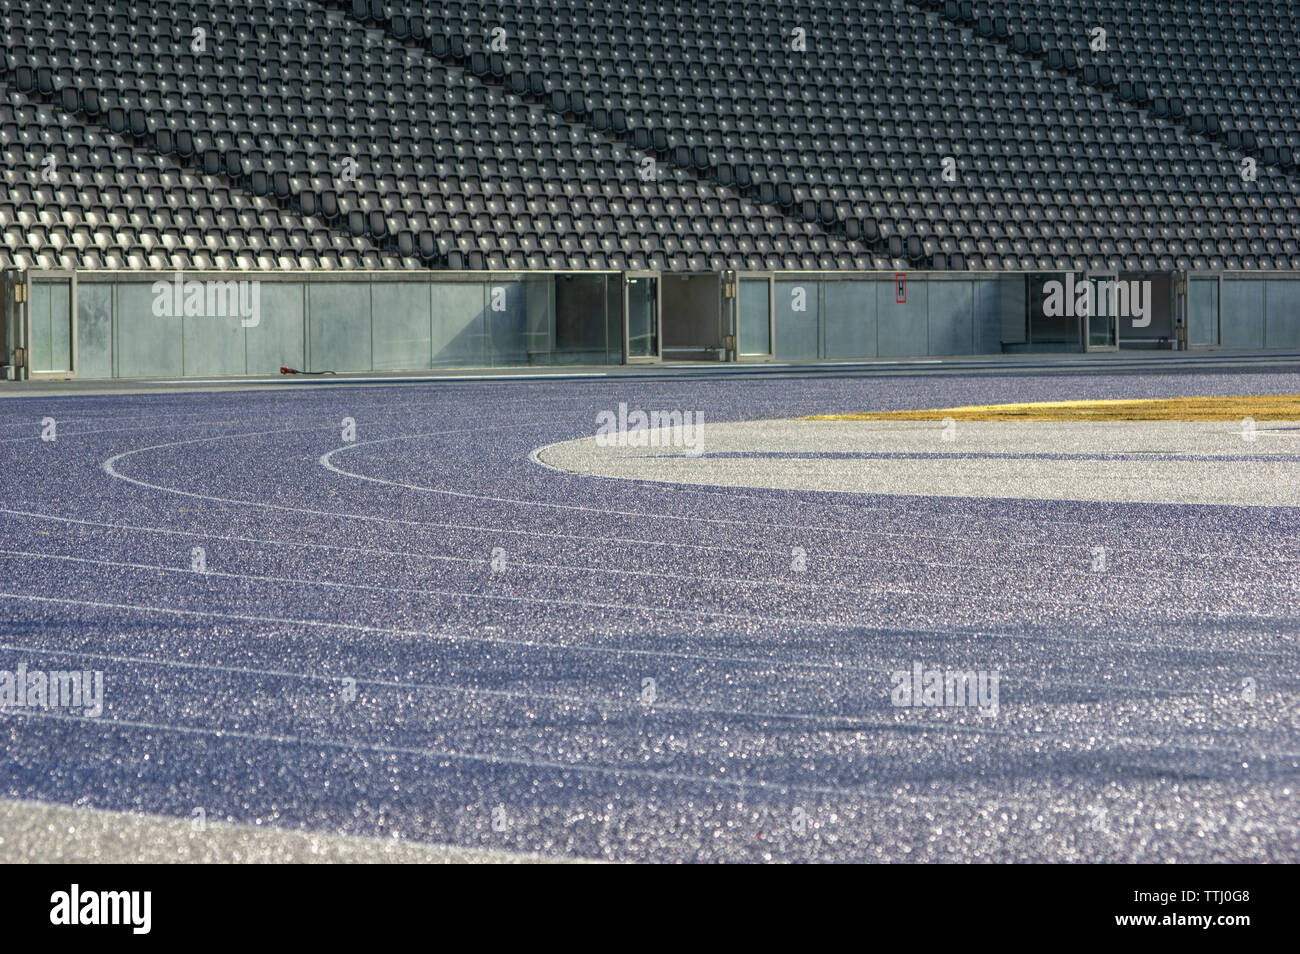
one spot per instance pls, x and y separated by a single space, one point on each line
900 292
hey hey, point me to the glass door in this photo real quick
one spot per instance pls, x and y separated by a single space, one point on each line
1101 323
641 319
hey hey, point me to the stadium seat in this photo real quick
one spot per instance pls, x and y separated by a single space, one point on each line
672 119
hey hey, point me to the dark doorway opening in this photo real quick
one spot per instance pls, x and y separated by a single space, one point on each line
692 318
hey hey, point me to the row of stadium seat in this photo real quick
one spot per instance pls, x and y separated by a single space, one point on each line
1227 70
394 132
396 198
961 99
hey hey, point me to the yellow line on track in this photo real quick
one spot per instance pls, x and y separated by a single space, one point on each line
1271 407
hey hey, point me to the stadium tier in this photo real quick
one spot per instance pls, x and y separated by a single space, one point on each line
983 149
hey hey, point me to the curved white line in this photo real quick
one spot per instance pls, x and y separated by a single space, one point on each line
859 626
454 594
61 434
656 574
109 468
326 462
836 720
452 636
579 768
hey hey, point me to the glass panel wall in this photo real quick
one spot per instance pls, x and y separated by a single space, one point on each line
1203 311
755 303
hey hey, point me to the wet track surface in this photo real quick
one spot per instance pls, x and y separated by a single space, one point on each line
428 636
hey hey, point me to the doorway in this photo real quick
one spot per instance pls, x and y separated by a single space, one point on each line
1101 325
692 317
642 330
51 334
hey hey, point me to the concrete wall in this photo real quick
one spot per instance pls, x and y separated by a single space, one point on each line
851 323
405 335
144 344
902 330
950 317
280 338
459 338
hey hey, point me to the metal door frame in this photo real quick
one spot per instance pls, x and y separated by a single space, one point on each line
657 357
54 274
1085 321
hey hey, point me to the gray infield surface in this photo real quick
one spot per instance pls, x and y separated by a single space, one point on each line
1130 461
435 642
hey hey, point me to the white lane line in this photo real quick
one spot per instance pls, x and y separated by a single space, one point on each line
1045 681
451 637
910 536
928 594
662 574
422 591
35 423
380 551
109 468
834 721
446 756
62 434
327 462
547 601
891 632
412 554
